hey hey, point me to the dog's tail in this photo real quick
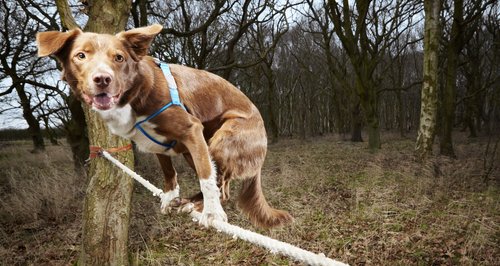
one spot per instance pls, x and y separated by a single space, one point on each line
253 203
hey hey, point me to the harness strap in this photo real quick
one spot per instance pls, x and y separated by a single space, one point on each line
176 101
174 93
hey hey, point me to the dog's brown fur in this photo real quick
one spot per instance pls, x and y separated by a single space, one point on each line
222 123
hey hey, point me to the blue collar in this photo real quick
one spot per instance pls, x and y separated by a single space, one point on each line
174 94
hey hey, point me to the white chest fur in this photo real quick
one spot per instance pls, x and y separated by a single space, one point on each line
121 121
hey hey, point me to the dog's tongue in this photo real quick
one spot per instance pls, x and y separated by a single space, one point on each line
103 101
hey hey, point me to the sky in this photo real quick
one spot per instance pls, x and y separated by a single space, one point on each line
11 118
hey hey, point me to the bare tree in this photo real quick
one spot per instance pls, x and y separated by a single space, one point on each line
19 65
196 29
466 15
340 86
36 76
263 40
367 29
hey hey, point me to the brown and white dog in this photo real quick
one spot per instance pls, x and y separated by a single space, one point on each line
113 74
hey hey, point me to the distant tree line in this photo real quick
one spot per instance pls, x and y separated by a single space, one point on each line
22 134
311 67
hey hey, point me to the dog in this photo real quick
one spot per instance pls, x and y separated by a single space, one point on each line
217 128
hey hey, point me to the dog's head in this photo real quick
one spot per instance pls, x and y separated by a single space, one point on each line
99 68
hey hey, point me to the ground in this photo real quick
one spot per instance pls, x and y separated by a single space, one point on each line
350 204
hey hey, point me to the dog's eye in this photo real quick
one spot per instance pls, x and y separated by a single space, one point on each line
80 55
119 58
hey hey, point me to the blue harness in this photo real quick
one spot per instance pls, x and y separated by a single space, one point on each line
174 94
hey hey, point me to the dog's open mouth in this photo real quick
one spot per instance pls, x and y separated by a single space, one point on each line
104 101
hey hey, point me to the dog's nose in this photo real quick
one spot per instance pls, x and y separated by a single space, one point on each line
102 80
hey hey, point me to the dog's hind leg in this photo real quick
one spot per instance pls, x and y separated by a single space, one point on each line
171 187
224 180
240 146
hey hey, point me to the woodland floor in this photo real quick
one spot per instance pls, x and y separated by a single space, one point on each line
353 206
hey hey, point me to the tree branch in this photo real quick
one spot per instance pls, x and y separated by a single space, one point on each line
67 19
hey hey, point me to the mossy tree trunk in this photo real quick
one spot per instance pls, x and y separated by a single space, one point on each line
428 106
107 201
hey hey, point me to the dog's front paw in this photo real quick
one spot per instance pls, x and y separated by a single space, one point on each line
169 199
212 211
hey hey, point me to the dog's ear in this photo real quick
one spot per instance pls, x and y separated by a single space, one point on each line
52 42
139 39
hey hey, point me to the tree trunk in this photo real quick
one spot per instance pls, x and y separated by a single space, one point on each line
454 47
401 115
271 100
140 13
448 102
77 136
374 143
76 127
107 201
428 108
51 134
33 125
369 102
357 124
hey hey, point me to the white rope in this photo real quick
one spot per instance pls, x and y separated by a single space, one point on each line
273 245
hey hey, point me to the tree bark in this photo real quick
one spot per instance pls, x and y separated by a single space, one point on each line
273 125
448 102
428 108
77 136
107 201
67 19
140 13
462 30
401 115
373 124
76 127
357 124
33 125
369 102
271 102
449 90
364 59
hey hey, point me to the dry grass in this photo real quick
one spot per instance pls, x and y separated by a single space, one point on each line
39 205
360 208
351 205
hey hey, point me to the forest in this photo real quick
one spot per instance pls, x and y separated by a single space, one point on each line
389 108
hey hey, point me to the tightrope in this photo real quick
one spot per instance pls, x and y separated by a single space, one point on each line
275 246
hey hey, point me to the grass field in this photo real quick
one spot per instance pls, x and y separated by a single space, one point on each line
354 206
